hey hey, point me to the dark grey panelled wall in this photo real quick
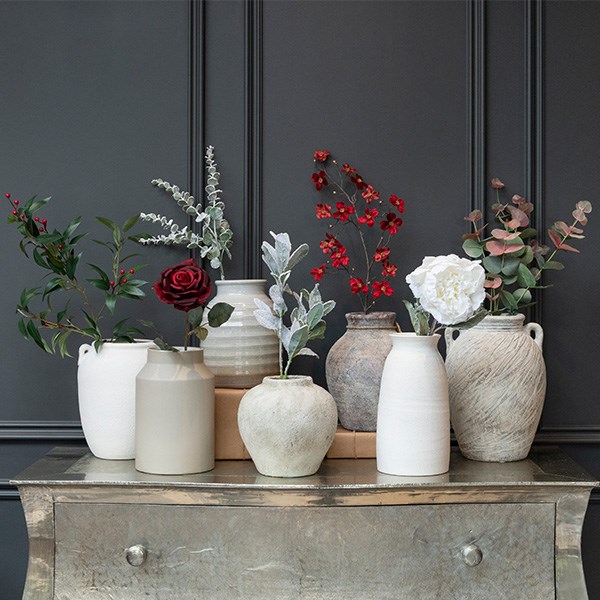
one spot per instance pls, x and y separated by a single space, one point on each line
430 99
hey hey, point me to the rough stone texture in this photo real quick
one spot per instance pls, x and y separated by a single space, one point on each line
287 425
354 366
497 384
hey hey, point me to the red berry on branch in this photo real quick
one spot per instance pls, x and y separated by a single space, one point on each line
15 212
124 280
44 221
122 271
60 246
36 219
16 203
23 217
132 271
7 195
112 283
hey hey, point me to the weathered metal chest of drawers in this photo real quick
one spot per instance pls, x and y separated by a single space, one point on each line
99 530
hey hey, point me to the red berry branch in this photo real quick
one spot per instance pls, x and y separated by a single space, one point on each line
358 206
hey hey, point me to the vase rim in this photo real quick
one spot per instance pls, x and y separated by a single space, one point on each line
122 345
291 380
411 335
501 322
221 282
375 320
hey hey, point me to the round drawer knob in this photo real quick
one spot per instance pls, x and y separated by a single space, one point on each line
472 555
136 555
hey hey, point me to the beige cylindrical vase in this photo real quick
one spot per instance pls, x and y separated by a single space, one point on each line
497 381
175 414
241 352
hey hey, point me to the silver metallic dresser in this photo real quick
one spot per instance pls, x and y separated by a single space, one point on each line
100 530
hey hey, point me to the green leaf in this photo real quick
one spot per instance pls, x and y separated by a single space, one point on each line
492 264
54 284
34 334
162 345
110 301
39 260
508 300
476 318
554 265
525 278
510 265
527 257
219 314
71 227
108 223
23 329
472 248
100 272
317 332
201 333
529 232
130 222
34 205
131 291
100 284
195 316
71 266
522 296
90 321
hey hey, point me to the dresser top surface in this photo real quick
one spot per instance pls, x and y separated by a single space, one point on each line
545 466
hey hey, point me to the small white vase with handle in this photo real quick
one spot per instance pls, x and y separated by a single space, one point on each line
413 420
175 414
287 425
106 392
497 380
241 352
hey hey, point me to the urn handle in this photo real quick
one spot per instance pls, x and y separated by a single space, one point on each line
84 349
538 333
449 336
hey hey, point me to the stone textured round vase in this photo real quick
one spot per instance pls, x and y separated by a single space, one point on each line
497 382
354 365
413 431
287 425
106 392
175 414
241 352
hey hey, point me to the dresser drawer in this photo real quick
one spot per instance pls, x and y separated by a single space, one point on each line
441 552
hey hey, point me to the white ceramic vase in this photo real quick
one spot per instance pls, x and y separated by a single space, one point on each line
241 352
175 414
413 420
287 425
497 381
106 392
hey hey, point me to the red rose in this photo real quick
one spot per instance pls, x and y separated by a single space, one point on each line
321 155
185 286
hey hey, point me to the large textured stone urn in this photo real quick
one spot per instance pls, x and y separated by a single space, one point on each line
354 365
497 385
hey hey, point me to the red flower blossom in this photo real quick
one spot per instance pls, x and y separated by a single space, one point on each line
382 287
321 155
330 244
318 272
319 179
389 270
369 217
397 202
370 194
185 286
391 223
358 285
339 258
358 181
343 211
381 254
323 211
346 168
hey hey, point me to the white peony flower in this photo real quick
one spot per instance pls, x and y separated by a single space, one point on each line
448 287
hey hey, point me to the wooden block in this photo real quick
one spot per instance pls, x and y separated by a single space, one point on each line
228 442
352 444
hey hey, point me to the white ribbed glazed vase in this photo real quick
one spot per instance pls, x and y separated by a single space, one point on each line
413 419
497 381
287 425
106 392
175 414
241 352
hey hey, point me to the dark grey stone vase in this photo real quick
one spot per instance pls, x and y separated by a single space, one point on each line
354 366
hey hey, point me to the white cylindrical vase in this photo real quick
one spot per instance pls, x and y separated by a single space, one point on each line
413 420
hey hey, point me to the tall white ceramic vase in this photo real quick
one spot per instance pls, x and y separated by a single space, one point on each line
175 414
106 392
241 352
413 420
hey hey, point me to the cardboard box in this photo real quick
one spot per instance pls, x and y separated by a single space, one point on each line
229 444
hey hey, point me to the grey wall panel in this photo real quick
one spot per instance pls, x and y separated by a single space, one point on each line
383 86
13 549
572 151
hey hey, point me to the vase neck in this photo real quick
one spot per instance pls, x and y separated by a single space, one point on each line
240 286
191 356
374 320
501 323
415 341
292 380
